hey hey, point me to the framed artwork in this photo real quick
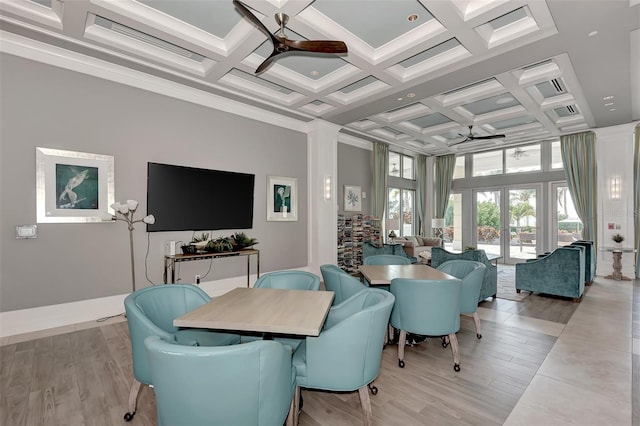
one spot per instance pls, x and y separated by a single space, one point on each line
352 198
282 198
73 186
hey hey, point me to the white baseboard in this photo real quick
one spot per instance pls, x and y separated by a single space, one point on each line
53 316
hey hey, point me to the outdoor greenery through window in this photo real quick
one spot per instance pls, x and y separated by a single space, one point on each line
400 207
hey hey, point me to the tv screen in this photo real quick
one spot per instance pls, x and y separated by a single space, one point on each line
191 199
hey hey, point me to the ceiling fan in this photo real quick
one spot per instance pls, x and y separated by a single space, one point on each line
471 137
281 44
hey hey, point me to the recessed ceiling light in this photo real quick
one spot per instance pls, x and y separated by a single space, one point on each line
399 99
608 104
504 100
314 73
413 17
607 98
612 109
593 33
411 95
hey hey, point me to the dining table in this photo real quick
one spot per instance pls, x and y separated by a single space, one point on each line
383 274
262 310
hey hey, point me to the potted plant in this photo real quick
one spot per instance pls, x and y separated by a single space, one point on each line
617 239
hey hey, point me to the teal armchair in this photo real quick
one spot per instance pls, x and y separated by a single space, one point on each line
471 273
429 308
150 312
369 249
490 280
560 273
386 259
346 355
342 284
589 259
292 280
241 385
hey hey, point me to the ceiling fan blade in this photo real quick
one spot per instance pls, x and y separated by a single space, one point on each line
488 137
251 17
263 66
459 142
318 46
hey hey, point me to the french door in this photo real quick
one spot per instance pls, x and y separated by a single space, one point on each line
506 221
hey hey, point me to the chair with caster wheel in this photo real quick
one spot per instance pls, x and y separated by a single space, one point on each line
150 312
239 385
346 355
429 308
471 273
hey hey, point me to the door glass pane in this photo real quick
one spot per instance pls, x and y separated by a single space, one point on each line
487 163
393 211
488 221
453 223
523 159
522 224
407 212
569 227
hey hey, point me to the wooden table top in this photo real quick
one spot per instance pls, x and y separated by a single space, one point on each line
383 274
266 310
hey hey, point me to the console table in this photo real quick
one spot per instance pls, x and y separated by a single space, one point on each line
617 262
170 261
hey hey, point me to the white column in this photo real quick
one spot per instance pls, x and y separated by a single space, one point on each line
322 144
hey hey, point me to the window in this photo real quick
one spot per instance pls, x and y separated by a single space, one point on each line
401 166
487 163
400 208
458 171
523 159
556 156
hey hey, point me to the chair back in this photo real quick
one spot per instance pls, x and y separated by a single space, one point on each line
248 384
427 307
386 259
151 311
347 354
291 280
342 284
472 274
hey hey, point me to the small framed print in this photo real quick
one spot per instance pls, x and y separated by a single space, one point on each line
73 186
282 198
352 198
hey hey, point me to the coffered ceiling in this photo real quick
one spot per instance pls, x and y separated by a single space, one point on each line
417 72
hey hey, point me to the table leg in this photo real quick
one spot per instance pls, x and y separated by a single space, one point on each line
617 268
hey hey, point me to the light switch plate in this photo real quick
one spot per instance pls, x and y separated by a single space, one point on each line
26 231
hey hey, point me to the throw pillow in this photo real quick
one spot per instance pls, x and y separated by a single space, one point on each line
413 239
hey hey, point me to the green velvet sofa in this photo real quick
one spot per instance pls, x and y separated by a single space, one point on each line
490 281
559 273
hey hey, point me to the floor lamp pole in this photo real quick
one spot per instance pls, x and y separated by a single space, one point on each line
133 270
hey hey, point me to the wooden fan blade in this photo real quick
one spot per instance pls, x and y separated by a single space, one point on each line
251 17
318 46
459 142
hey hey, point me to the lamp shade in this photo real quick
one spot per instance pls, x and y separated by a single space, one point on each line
437 223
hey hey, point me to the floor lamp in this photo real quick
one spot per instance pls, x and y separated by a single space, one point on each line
124 213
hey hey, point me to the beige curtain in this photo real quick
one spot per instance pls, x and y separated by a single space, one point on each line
380 172
421 193
445 166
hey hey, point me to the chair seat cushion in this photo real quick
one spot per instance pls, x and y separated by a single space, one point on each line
205 338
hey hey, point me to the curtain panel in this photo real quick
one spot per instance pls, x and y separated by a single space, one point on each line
636 197
421 193
380 172
445 166
579 157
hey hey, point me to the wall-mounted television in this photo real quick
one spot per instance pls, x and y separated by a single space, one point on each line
192 199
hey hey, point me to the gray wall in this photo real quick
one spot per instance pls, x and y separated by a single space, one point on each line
355 168
44 106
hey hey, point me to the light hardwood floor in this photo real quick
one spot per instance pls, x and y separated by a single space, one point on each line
83 377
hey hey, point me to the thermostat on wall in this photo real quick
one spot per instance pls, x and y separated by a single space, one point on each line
26 231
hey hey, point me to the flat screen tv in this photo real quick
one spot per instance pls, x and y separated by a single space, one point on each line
191 199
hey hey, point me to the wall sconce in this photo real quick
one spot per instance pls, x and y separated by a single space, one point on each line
327 187
615 191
